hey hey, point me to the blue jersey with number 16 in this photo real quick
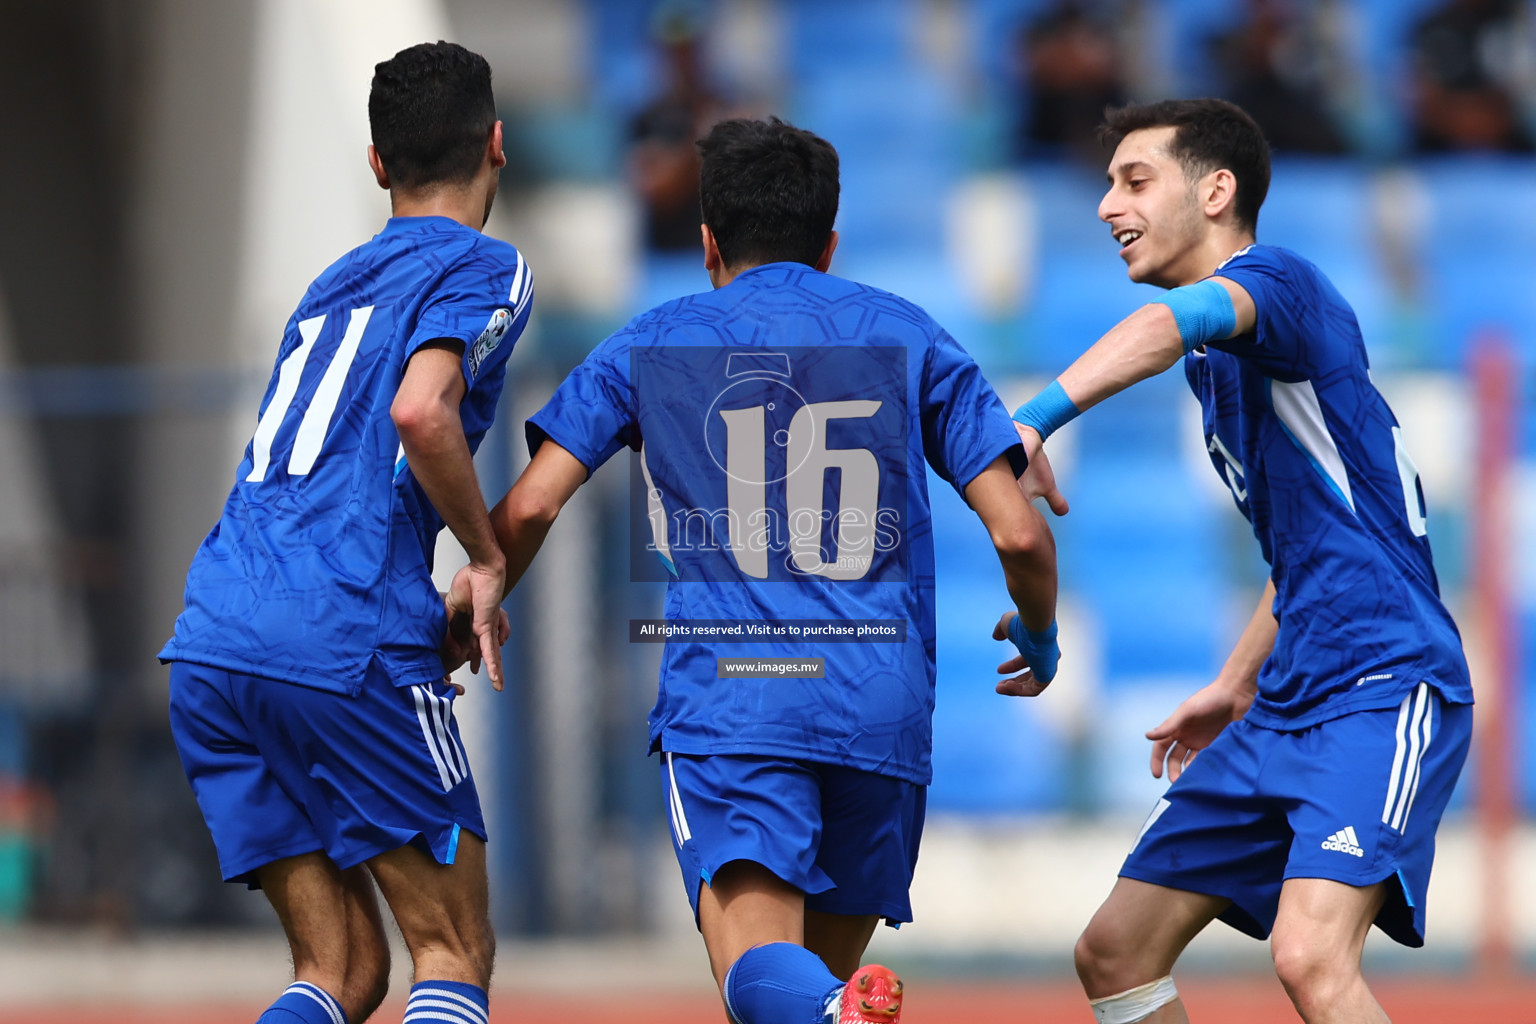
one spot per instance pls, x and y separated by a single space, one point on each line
783 423
320 566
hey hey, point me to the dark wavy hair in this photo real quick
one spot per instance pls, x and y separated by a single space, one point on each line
1208 135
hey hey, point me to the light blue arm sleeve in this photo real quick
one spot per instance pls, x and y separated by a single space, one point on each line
1203 312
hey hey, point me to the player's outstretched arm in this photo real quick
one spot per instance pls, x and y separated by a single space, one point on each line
1142 345
1027 551
1197 722
426 414
523 517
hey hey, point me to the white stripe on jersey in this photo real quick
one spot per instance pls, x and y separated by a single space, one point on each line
1418 764
287 386
1394 780
517 280
1297 406
1146 826
679 818
442 714
1413 735
527 296
451 743
444 773
322 406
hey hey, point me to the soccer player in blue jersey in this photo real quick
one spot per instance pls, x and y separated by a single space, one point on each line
784 422
308 699
1331 739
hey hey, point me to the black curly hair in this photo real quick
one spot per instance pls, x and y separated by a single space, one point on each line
431 111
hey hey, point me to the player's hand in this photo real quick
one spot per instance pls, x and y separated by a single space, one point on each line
1039 481
1037 657
476 594
1193 726
460 645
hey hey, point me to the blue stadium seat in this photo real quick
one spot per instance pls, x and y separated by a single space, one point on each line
1323 210
978 736
1479 264
622 61
1188 28
1148 560
847 34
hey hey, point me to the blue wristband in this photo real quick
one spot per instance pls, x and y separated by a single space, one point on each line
1040 650
1048 411
1203 312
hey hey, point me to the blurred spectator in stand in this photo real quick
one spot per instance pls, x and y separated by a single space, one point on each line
1470 60
664 162
1073 66
1278 65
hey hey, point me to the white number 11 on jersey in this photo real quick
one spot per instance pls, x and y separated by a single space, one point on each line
317 418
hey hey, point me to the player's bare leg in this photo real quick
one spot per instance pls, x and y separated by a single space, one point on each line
839 939
331 918
755 928
1135 938
1318 938
747 905
872 992
442 911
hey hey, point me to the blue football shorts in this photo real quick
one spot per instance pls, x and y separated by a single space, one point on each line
280 769
846 838
1356 799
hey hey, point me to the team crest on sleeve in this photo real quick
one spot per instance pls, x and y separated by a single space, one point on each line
489 339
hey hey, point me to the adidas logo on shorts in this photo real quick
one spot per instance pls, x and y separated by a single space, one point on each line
1344 841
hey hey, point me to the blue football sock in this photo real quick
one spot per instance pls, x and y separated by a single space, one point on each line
453 1002
780 983
303 1003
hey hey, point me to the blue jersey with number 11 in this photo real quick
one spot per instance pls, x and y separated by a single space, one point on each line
320 566
1315 460
783 423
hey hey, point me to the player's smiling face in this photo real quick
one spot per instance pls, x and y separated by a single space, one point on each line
1153 210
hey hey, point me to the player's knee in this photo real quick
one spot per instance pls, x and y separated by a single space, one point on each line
1105 960
1312 974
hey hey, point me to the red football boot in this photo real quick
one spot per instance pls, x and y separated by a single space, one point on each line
872 996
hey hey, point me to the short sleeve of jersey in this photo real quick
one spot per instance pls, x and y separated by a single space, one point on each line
484 303
592 413
965 426
1287 292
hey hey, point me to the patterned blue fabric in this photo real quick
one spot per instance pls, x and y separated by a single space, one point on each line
1314 459
1356 799
321 562
784 422
279 769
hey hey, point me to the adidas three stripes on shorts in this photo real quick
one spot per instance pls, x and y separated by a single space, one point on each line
280 769
1355 799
